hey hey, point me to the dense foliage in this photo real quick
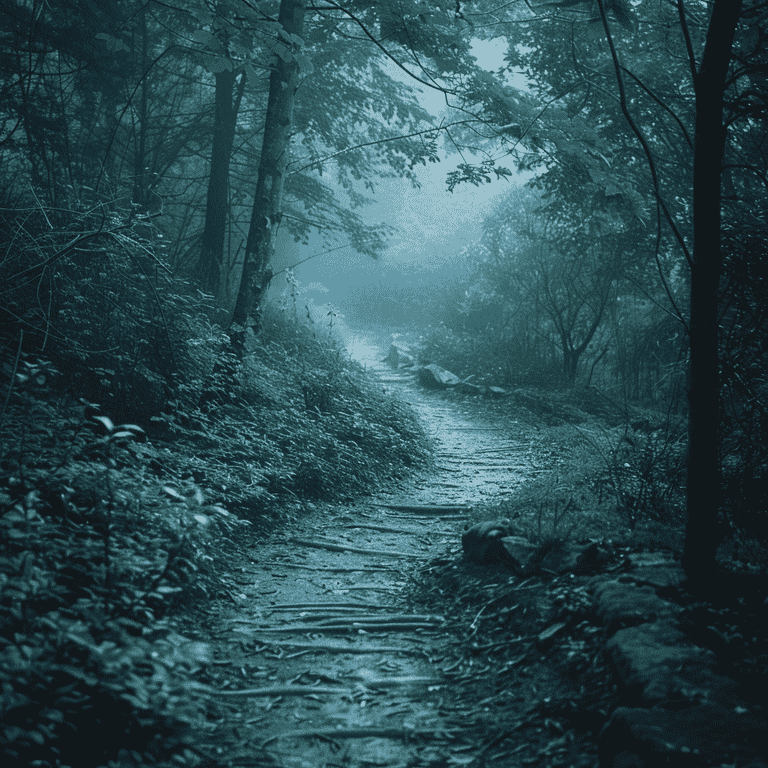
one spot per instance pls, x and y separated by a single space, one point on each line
138 445
114 517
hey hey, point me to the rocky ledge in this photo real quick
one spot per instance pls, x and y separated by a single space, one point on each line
676 707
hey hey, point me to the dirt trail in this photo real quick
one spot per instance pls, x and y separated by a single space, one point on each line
326 663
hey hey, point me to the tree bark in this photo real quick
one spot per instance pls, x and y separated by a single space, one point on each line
140 157
267 201
217 200
704 490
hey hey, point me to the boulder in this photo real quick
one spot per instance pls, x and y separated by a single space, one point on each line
398 356
592 558
659 569
704 734
657 663
434 377
519 553
482 543
561 557
620 604
495 542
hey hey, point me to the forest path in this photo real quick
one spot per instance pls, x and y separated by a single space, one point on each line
324 662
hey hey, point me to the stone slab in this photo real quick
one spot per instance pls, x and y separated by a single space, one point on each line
620 604
704 734
657 663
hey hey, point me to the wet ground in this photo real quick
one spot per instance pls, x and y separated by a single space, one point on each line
325 659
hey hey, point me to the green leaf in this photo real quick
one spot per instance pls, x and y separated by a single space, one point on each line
165 590
106 421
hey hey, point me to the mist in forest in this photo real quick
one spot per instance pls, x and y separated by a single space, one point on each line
552 210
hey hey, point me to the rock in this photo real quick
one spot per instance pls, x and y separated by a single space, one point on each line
657 568
496 542
619 604
704 734
483 543
592 558
434 377
398 356
570 557
519 551
657 663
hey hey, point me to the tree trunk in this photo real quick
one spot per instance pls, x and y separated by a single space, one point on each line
267 201
217 200
570 365
704 476
140 156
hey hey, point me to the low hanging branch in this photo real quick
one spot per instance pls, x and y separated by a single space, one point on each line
424 132
651 161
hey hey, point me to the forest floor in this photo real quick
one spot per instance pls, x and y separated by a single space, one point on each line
345 647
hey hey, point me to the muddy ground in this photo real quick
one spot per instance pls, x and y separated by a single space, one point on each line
360 639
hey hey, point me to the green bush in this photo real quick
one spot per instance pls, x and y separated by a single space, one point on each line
95 552
303 421
593 481
107 529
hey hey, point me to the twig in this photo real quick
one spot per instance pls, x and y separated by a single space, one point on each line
355 550
352 627
347 569
12 380
289 606
389 529
277 690
325 648
361 733
427 509
491 646
384 682
384 619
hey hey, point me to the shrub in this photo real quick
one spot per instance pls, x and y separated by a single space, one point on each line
302 422
96 550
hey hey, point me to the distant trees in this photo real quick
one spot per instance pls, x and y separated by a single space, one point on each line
558 283
659 108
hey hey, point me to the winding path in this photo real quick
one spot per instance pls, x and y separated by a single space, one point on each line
327 664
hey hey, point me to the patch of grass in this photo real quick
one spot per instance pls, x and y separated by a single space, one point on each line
599 482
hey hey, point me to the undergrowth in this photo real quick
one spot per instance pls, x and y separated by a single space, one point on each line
97 553
106 534
592 481
304 423
115 518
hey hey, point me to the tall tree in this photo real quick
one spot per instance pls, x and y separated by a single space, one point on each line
268 197
716 109
704 468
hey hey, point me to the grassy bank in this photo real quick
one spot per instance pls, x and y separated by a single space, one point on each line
109 531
